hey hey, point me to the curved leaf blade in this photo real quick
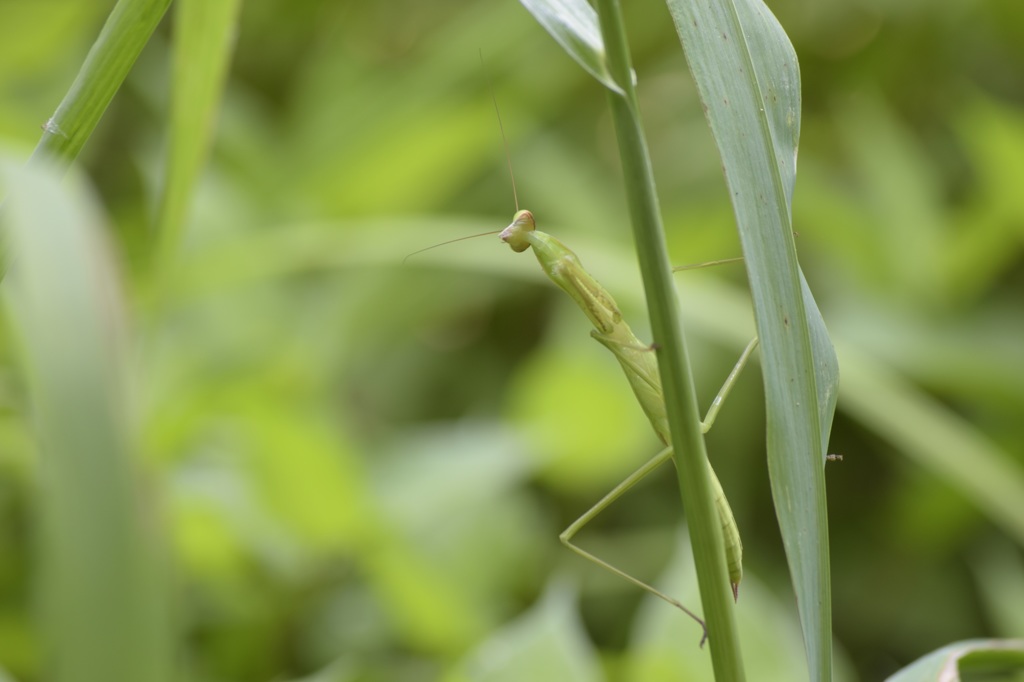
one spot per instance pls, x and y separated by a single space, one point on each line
573 24
749 82
945 664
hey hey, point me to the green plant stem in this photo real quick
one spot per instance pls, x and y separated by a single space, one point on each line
676 374
127 31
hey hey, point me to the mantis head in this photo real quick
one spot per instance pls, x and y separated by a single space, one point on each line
515 235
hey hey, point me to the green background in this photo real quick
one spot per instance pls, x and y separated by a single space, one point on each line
361 464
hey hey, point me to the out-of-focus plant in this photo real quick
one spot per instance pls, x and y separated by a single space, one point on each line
357 474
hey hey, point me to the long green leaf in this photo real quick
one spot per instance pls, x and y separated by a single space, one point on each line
103 590
203 40
749 81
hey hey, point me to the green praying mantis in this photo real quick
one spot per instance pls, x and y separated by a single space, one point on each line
640 365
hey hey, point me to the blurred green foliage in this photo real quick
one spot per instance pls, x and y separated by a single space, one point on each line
361 467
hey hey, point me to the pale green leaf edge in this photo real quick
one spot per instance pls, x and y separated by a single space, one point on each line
943 665
574 25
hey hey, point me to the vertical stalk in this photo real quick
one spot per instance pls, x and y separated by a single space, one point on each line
676 374
128 29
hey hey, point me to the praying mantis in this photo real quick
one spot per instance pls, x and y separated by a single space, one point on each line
640 366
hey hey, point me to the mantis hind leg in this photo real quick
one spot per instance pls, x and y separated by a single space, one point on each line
730 381
567 535
644 380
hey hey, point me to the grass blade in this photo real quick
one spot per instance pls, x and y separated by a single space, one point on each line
104 593
982 656
749 81
203 39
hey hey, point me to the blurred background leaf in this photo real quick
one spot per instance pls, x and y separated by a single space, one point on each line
978 659
363 467
102 586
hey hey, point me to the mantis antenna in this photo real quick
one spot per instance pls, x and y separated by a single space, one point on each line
450 241
511 175
694 266
501 127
